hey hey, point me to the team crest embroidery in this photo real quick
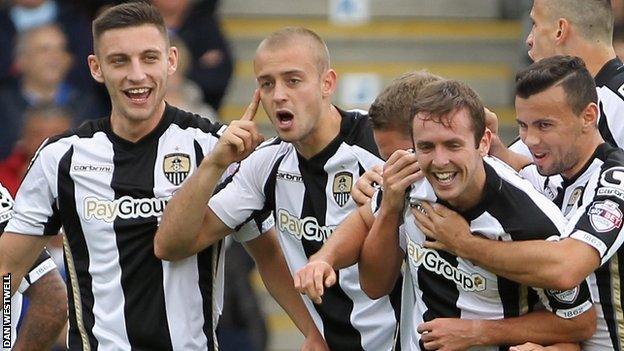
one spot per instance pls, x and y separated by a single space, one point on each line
605 216
343 181
176 167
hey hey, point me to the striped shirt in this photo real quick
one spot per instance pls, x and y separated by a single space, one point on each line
108 194
440 284
309 198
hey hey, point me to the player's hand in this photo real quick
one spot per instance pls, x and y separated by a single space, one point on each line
446 227
314 342
450 334
313 278
366 185
399 172
491 121
239 139
529 346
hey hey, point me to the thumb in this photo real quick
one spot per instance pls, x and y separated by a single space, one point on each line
330 280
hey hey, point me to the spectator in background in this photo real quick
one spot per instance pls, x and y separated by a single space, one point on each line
43 63
196 23
182 92
40 122
17 16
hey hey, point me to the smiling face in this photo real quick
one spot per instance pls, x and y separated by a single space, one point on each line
294 91
134 63
449 158
551 131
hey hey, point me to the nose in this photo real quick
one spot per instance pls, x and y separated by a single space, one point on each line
136 73
279 92
440 158
528 137
529 41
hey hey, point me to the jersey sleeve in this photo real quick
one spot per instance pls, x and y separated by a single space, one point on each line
35 211
569 303
598 222
253 228
243 196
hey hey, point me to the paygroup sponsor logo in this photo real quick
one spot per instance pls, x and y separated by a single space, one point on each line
433 262
302 228
126 207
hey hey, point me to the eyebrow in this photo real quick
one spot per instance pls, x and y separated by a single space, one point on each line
285 73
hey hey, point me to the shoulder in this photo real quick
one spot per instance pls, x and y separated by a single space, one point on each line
187 120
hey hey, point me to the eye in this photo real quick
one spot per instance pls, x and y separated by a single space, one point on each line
151 58
266 84
294 81
544 125
522 125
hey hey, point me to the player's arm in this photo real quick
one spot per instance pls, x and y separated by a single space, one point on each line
341 250
18 253
381 255
541 327
276 276
529 346
46 314
558 265
187 225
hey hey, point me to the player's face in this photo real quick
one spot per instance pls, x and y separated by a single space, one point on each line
390 140
134 64
292 90
551 131
541 40
450 160
45 59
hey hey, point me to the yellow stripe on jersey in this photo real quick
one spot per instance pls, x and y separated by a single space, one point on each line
616 296
73 277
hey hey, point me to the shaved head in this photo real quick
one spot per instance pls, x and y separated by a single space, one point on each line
592 18
285 37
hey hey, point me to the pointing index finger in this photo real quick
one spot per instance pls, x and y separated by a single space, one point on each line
250 112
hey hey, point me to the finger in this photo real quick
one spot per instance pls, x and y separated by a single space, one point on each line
432 345
429 210
442 210
427 337
250 112
297 281
436 245
330 280
424 327
377 169
319 281
245 138
421 219
398 154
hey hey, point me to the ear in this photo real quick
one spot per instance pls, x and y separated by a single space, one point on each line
590 116
172 60
95 68
563 31
484 144
328 81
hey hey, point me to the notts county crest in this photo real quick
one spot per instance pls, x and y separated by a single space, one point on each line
343 182
176 167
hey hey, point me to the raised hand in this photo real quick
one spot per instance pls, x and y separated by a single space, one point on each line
313 278
366 185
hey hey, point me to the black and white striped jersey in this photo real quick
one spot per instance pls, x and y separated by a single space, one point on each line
43 265
610 89
108 194
593 202
439 284
309 199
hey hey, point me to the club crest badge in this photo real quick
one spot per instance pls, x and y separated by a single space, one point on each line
176 167
605 216
343 182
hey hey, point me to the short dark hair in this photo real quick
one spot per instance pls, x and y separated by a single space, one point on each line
392 107
130 14
592 18
438 100
567 71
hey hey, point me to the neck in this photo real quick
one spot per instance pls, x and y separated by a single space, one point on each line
473 193
595 55
587 152
45 92
134 130
326 130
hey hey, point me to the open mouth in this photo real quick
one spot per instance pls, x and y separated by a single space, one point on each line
138 95
444 178
285 118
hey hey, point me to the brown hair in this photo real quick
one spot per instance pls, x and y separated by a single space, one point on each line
287 35
438 100
392 107
131 14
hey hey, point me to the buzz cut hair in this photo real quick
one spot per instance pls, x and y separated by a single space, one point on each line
288 35
592 18
392 107
132 14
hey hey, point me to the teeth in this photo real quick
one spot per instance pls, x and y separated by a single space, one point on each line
138 90
444 175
